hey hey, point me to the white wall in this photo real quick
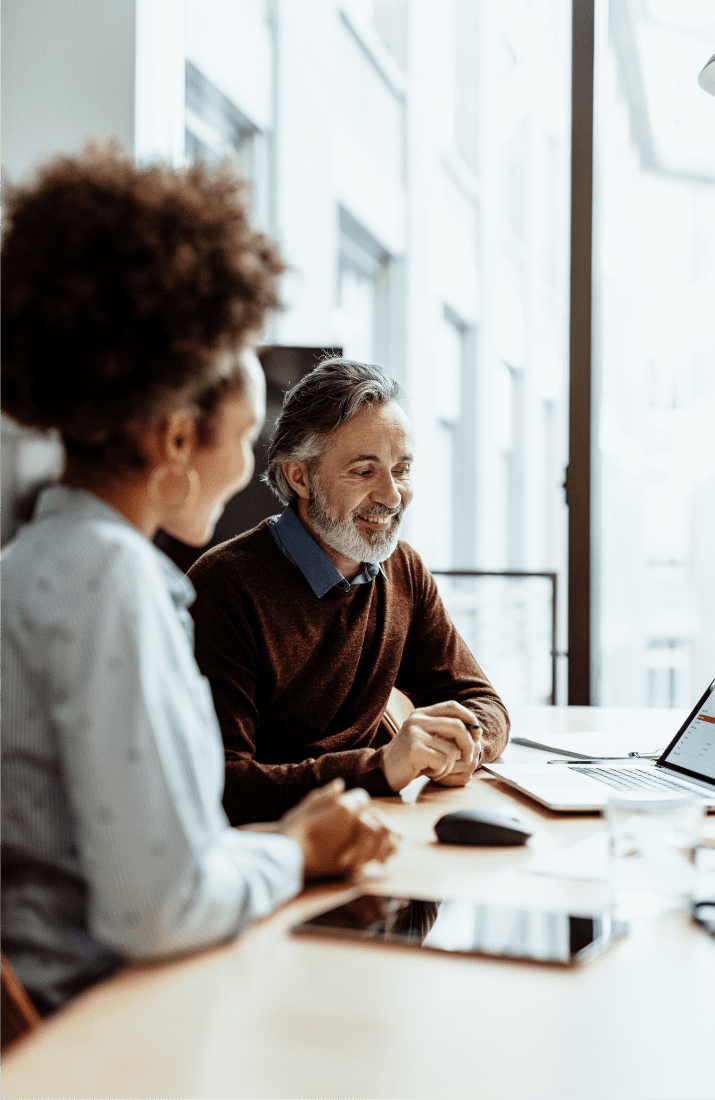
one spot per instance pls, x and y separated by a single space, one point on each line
160 80
67 76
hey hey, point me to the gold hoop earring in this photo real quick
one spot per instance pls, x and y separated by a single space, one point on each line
173 498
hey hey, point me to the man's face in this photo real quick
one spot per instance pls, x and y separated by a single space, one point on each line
361 485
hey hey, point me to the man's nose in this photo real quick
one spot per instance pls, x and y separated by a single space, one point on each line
386 492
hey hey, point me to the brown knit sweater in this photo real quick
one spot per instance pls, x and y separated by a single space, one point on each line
300 683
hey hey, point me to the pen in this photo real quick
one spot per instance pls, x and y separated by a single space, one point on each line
475 726
547 748
600 759
581 757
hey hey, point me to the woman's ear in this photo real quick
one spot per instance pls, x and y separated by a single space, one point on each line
296 474
178 437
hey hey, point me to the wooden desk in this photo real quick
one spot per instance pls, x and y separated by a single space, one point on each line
280 1016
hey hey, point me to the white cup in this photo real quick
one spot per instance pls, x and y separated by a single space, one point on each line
653 845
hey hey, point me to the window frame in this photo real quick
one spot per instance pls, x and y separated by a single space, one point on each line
580 484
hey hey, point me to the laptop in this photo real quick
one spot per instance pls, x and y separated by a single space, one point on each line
686 766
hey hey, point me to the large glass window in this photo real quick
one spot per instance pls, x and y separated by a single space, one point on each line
447 454
217 129
370 112
414 161
363 273
522 162
654 263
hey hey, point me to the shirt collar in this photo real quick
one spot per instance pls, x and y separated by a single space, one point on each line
65 500
300 547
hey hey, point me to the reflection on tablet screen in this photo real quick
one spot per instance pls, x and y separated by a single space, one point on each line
467 927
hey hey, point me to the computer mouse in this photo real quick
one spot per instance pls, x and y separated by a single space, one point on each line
488 828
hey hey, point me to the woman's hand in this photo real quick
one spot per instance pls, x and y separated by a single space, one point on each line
337 831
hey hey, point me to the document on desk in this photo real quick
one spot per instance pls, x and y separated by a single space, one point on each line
595 743
586 859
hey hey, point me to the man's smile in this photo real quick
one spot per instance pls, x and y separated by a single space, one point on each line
382 521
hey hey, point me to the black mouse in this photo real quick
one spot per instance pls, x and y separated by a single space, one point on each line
488 828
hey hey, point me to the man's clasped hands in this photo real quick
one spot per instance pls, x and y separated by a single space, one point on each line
339 831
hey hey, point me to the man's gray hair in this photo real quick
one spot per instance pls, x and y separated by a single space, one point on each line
321 402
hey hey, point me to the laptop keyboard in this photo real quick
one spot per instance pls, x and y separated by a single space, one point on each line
633 779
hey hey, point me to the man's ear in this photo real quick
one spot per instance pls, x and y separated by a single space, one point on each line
178 437
296 474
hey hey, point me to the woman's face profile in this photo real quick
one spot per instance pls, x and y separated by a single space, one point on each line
225 465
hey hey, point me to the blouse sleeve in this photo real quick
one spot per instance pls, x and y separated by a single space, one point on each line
144 769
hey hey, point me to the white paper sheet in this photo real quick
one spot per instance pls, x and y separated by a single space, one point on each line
601 743
587 859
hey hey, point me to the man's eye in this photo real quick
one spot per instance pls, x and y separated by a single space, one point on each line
402 471
363 473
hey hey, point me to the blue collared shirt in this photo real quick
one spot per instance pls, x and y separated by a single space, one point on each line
300 547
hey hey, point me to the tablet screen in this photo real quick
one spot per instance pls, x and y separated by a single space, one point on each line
467 927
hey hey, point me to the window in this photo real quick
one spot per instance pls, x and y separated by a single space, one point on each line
508 389
467 75
454 498
516 169
554 177
372 113
216 129
389 18
654 263
363 273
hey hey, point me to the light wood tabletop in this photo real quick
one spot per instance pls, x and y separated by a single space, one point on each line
276 1015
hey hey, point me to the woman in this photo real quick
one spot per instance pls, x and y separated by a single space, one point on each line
131 297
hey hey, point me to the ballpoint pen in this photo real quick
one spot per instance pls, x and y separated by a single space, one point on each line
603 759
475 726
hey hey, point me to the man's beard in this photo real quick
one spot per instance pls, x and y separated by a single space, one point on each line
343 535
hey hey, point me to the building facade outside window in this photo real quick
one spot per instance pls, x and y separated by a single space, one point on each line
363 292
654 258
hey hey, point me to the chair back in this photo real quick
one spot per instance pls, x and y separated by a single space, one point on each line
19 1015
398 709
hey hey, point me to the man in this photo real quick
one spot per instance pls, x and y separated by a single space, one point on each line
306 623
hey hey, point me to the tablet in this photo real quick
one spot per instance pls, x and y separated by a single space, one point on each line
469 928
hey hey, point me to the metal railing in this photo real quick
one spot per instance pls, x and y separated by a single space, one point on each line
509 625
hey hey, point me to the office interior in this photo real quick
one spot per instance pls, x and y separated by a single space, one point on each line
510 206
425 207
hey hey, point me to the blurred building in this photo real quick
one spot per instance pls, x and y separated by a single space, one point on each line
655 271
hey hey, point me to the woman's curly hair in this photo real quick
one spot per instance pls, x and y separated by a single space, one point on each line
127 290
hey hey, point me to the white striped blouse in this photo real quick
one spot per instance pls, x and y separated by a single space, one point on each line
114 841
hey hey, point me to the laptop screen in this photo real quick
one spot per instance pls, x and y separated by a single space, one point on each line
692 750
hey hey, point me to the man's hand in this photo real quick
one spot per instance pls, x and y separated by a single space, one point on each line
337 831
442 741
